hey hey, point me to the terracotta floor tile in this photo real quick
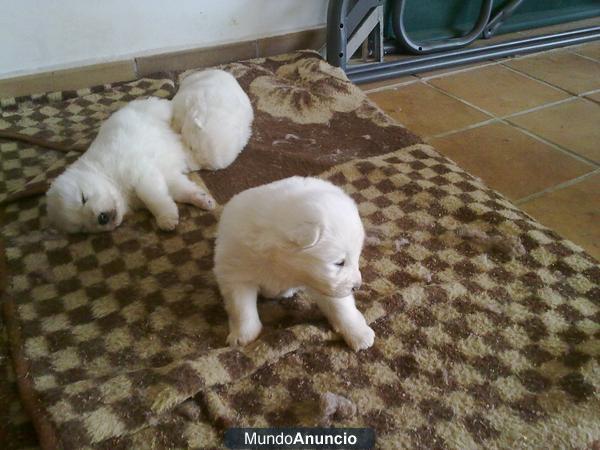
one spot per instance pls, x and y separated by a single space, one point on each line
498 89
574 125
425 110
591 50
563 69
509 160
574 212
388 83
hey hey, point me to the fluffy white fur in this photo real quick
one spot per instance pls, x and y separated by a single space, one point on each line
296 233
136 159
214 116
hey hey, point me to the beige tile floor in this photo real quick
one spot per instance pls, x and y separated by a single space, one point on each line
528 126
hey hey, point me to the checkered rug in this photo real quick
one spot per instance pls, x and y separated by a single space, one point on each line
487 323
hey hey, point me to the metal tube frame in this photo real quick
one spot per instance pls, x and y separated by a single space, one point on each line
422 48
453 54
496 22
346 26
373 72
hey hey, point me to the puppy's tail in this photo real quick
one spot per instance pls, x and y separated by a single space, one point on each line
41 142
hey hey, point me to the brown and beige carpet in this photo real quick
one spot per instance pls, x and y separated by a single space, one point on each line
488 323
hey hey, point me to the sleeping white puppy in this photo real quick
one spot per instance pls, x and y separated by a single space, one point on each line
214 116
293 234
136 159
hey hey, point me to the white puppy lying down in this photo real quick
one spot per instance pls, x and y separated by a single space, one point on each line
296 233
136 159
214 116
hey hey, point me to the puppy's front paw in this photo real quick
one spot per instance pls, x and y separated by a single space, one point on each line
203 200
290 292
359 338
244 334
167 222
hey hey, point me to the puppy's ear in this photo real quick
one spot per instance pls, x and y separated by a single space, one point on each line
305 235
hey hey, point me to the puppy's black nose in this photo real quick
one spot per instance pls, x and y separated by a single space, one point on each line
103 218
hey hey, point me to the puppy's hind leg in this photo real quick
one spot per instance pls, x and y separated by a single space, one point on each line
152 190
186 191
244 323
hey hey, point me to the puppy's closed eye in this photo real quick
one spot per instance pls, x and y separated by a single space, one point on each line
341 263
83 199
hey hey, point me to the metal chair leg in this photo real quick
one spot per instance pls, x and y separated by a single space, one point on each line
348 27
496 22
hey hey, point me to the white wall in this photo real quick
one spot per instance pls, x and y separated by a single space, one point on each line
39 35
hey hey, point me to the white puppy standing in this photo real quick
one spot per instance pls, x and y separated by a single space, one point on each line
136 160
296 233
214 116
